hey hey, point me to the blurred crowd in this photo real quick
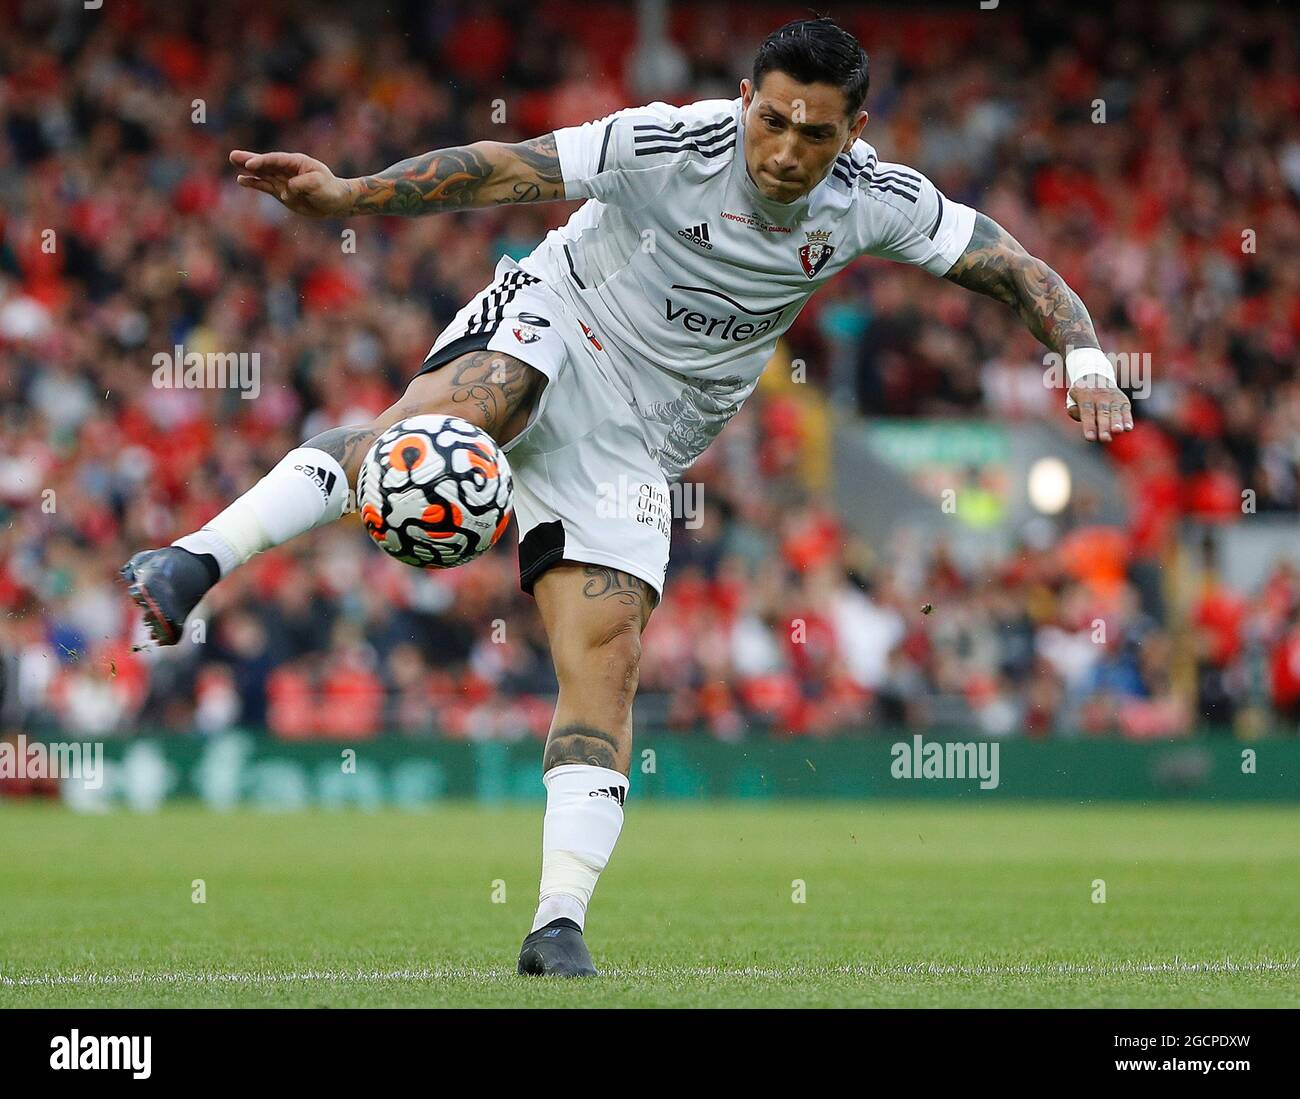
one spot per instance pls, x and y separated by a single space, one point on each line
1173 212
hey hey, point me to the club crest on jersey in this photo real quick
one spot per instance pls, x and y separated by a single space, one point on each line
816 252
526 333
591 336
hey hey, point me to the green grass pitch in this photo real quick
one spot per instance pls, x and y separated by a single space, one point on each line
905 906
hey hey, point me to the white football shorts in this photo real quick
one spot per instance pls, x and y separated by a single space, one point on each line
586 486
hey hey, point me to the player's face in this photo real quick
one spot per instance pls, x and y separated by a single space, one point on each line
793 133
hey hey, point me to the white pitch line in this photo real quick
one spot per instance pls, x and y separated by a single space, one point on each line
935 970
327 976
324 976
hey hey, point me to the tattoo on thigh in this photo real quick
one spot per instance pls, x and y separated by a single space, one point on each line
497 385
346 444
581 744
606 583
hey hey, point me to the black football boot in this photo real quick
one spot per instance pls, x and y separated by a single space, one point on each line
167 584
556 950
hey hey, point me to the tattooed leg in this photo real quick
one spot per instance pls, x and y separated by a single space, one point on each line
578 743
604 583
594 616
309 487
493 391
347 446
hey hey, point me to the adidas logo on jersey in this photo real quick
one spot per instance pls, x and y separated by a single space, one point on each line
697 234
324 478
618 793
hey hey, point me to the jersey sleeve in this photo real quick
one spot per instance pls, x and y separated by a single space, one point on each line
909 220
616 159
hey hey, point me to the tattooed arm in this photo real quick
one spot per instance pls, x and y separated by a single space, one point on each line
487 173
995 264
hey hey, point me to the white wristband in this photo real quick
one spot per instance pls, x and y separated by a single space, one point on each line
1083 361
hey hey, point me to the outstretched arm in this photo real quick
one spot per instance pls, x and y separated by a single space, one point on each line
995 264
486 173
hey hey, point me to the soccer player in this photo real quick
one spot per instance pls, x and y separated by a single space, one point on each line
609 358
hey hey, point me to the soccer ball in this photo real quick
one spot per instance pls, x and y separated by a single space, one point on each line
435 491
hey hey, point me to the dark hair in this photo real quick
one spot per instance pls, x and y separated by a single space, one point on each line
816 51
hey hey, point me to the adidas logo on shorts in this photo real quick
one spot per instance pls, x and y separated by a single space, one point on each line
697 234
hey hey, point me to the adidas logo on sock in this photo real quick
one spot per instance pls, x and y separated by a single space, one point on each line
618 793
323 477
697 234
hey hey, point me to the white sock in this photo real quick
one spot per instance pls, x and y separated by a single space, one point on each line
584 815
306 490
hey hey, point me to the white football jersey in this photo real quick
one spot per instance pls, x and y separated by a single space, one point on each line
687 275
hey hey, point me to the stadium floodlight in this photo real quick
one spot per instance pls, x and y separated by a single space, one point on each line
1049 485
